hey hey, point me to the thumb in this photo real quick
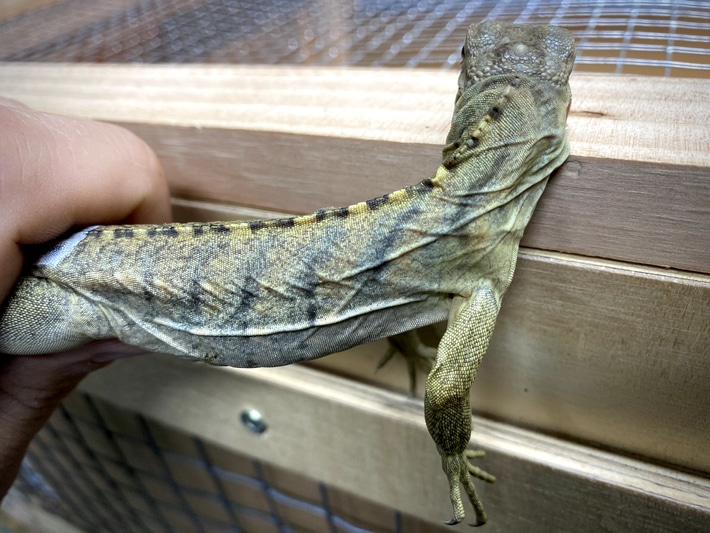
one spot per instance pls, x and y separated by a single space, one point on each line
32 387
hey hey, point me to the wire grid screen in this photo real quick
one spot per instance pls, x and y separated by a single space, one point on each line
104 469
670 38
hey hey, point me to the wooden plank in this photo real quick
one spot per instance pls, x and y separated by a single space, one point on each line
374 104
315 137
635 118
637 212
199 211
594 351
284 172
597 350
665 120
605 352
374 443
643 213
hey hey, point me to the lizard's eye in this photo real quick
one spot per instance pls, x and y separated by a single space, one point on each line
463 52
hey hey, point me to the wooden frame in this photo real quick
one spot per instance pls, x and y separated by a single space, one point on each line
373 442
296 139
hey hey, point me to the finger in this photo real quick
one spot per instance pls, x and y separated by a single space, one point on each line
79 172
59 172
41 377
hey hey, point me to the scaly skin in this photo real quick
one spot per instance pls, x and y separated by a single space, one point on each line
273 293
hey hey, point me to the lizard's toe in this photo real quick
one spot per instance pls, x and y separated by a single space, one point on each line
473 469
459 471
418 357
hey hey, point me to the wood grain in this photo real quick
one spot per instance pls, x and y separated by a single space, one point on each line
590 351
661 120
636 212
296 139
645 213
374 443
595 350
604 352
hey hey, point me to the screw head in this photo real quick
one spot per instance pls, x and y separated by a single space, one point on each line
253 421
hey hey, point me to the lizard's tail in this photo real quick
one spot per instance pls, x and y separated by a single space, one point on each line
43 317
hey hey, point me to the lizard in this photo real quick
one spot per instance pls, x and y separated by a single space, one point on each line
271 293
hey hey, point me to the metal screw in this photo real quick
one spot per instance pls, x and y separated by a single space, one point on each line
253 421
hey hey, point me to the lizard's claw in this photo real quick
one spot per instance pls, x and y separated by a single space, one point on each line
417 355
458 469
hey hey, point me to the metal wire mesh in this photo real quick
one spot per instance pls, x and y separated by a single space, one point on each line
670 38
106 469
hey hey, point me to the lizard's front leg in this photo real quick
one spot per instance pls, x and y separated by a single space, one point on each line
447 406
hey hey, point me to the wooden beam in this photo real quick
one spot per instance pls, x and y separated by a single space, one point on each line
374 443
660 120
584 348
591 351
646 213
296 139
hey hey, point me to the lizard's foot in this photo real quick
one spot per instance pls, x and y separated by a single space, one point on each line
458 469
417 355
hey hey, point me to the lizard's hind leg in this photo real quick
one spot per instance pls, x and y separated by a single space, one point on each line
46 318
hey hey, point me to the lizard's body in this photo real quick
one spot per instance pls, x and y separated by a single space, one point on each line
273 293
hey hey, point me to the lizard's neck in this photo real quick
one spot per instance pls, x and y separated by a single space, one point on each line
507 135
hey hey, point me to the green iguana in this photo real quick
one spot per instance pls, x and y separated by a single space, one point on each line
271 293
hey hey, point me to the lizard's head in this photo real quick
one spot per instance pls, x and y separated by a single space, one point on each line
540 52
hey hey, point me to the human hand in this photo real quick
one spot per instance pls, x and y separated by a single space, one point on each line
57 173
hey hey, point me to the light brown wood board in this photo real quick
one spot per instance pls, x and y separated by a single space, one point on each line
296 139
590 349
590 352
374 443
661 120
646 213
